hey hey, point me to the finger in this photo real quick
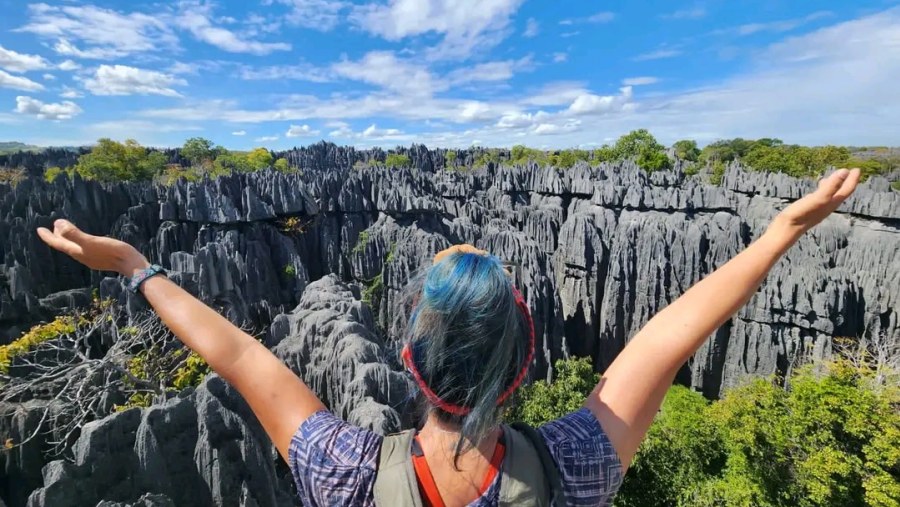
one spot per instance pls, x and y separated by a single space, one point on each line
67 230
832 183
848 186
58 242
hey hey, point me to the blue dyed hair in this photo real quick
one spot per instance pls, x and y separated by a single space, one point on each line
469 340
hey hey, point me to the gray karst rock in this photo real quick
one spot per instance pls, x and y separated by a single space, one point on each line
321 262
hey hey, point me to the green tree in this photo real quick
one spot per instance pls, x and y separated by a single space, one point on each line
643 147
542 402
259 159
52 173
681 451
687 150
605 153
396 160
450 158
113 161
198 150
282 165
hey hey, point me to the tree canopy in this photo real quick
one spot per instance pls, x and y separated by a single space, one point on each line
114 161
830 438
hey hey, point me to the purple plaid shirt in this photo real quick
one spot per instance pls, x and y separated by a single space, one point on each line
334 463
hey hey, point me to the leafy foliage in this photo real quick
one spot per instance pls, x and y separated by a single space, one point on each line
395 160
52 173
643 147
172 371
687 150
541 401
12 176
373 289
111 161
831 438
198 150
34 337
290 271
282 165
361 242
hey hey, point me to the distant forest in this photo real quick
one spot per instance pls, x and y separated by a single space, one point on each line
113 161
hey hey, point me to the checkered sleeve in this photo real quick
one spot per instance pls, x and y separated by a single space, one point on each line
333 462
589 466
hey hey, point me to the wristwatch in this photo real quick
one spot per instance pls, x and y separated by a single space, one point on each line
134 283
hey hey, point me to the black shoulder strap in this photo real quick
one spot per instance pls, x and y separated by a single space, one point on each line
558 494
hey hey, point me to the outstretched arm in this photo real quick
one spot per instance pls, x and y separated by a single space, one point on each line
632 389
280 400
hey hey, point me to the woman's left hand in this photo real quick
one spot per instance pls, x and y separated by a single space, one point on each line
96 252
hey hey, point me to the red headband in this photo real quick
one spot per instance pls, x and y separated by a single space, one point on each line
455 409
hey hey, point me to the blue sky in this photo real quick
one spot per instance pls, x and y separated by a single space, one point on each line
549 74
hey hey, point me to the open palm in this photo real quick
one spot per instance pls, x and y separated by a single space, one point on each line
805 213
96 252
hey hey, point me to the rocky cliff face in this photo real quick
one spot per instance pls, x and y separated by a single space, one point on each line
600 251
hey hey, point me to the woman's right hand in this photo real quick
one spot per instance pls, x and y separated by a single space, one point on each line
806 213
96 252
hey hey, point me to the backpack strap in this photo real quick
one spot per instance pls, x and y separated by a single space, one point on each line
395 481
557 493
523 482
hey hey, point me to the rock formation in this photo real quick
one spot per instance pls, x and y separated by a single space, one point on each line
322 261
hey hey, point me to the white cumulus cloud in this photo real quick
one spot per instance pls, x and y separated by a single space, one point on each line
265 139
196 19
21 62
8 80
239 133
640 81
301 131
465 25
321 15
384 69
125 80
595 104
59 111
105 33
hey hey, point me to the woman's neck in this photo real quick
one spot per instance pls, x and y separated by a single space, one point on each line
438 435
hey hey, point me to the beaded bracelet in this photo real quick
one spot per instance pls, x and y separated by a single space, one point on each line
134 283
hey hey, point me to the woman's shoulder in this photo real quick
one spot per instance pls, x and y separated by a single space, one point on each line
588 463
333 459
337 440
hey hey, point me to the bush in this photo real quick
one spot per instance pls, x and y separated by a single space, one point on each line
687 150
832 438
643 147
41 333
11 176
52 173
290 271
198 150
396 160
171 371
174 173
111 161
373 289
191 373
361 242
717 173
542 402
896 185
282 165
